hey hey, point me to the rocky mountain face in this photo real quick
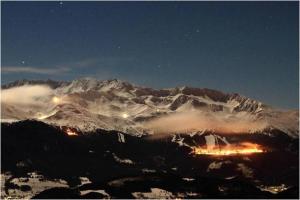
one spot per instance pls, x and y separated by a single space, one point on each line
88 104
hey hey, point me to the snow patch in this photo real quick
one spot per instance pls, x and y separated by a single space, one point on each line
155 193
123 161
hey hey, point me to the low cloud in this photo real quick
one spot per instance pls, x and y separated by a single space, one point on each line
26 94
35 70
223 123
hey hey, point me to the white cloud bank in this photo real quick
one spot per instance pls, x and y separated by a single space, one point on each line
185 122
26 94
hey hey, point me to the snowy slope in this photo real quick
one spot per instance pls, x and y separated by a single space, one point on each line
89 104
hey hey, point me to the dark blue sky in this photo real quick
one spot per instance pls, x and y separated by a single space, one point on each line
246 47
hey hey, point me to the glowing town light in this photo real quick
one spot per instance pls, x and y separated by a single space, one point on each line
55 100
125 115
71 132
244 148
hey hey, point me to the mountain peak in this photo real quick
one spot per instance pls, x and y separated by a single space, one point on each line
89 83
116 82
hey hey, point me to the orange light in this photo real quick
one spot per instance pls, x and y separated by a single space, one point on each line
70 132
243 148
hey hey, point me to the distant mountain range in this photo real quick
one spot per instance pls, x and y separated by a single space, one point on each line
89 104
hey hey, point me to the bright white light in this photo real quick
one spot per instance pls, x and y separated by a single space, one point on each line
125 115
55 100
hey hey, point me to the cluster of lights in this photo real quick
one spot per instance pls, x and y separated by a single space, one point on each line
243 148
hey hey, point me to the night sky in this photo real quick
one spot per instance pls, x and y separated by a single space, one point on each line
246 47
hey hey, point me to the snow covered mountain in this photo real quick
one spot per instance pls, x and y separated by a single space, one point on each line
88 104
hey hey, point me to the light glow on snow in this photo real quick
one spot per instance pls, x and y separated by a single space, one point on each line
41 116
274 189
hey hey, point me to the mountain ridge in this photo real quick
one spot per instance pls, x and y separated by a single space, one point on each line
88 80
114 104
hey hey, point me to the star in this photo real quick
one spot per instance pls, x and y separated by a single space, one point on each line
23 62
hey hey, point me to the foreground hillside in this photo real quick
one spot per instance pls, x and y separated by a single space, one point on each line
43 161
